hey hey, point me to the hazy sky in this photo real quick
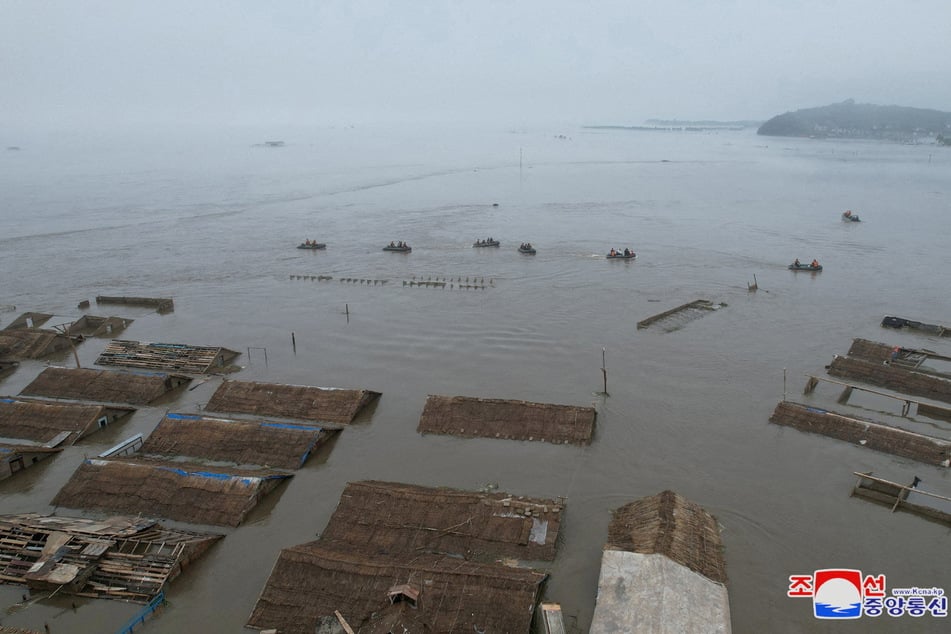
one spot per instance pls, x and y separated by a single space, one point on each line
333 62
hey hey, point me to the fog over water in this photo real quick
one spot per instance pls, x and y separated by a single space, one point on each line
212 220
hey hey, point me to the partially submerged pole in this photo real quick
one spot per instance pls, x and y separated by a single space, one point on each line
604 372
294 343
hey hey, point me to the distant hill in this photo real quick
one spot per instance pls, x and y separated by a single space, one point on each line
860 121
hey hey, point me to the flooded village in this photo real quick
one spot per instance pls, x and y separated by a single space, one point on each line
346 439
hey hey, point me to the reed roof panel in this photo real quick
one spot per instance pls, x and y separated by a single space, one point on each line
301 402
187 492
263 442
670 525
518 420
90 384
312 581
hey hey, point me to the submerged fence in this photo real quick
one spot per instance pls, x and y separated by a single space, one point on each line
144 613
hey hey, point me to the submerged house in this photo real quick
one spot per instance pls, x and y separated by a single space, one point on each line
171 357
864 433
515 420
126 558
52 423
662 570
15 458
93 326
183 491
397 556
16 345
300 402
241 442
88 384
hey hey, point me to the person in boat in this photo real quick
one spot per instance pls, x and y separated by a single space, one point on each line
612 253
627 253
815 264
796 263
848 214
306 243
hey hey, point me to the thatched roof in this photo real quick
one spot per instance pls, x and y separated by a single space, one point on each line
670 525
29 320
172 357
519 420
893 377
863 432
404 518
42 421
188 492
312 581
123 558
7 629
263 443
90 384
31 344
302 402
93 326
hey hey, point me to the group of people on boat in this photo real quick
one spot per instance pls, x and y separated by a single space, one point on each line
398 245
310 243
526 246
486 241
626 253
814 264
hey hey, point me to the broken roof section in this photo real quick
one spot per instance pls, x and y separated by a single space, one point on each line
52 423
436 548
187 492
404 518
301 402
517 420
88 384
131 559
15 458
174 357
662 570
242 442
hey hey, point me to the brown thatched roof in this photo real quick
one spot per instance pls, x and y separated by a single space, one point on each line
670 525
93 326
187 492
519 420
302 402
31 344
311 581
29 320
172 357
42 421
404 518
90 384
122 558
893 377
863 432
263 442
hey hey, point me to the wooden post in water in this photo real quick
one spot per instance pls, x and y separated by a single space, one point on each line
294 343
604 372
346 308
784 385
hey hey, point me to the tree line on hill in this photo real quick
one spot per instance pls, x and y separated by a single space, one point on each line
862 121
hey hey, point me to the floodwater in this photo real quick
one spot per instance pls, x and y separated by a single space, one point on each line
213 221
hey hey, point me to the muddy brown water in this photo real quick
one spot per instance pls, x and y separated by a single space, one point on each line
215 225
